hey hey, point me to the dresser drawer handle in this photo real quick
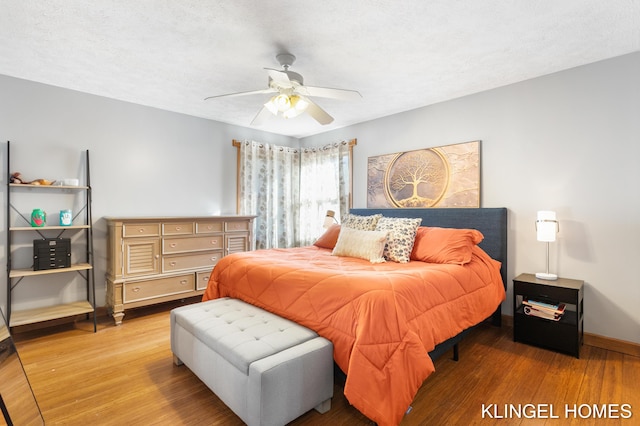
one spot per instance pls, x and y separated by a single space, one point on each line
178 228
173 263
141 230
173 245
135 289
183 282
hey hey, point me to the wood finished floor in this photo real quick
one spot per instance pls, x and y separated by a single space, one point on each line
125 375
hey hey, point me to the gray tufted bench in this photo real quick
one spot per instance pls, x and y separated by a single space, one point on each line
267 369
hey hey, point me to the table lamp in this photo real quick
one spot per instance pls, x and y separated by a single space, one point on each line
546 229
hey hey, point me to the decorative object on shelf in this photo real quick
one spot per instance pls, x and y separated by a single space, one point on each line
70 182
329 219
38 218
546 229
16 177
51 253
66 217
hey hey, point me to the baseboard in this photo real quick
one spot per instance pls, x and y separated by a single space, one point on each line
622 346
608 343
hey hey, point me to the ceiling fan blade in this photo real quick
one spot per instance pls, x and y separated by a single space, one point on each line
261 117
251 92
280 77
317 113
327 92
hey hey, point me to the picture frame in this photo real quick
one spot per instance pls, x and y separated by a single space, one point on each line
443 176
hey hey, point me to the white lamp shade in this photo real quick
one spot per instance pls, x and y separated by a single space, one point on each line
546 226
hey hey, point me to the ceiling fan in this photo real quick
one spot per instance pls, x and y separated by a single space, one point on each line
291 97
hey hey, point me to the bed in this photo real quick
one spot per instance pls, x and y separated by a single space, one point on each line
386 320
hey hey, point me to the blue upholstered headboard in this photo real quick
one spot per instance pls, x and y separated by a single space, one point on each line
492 222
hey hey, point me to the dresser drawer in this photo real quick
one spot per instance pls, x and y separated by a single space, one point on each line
209 227
236 225
190 261
140 230
202 280
177 228
157 288
190 244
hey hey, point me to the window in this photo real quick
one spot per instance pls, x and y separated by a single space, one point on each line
290 189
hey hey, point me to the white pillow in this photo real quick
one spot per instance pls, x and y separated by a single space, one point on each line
402 234
368 245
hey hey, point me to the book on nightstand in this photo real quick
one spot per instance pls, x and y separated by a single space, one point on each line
543 310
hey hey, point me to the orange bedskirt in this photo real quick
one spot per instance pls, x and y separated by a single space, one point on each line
382 318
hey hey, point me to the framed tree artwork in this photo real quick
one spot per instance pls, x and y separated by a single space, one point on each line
444 176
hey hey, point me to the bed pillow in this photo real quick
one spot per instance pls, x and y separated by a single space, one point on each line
368 245
364 223
329 238
402 233
445 245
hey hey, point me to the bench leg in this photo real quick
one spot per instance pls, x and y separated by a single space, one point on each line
323 407
176 360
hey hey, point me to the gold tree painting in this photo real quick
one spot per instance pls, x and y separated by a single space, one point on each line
445 176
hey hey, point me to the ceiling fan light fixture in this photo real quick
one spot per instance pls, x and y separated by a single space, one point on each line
282 102
298 106
271 106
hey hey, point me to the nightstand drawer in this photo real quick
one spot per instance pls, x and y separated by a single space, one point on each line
544 292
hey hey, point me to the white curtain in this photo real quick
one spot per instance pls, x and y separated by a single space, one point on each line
324 185
269 188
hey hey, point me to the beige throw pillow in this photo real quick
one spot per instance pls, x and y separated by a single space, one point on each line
368 245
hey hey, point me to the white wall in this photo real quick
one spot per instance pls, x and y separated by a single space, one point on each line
144 161
568 142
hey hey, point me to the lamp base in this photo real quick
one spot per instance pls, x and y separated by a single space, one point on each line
546 276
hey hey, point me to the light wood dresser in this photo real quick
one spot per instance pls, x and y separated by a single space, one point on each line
157 259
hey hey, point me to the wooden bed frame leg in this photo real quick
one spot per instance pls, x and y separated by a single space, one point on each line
456 355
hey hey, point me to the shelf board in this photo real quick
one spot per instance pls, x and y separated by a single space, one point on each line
30 316
47 228
28 185
15 273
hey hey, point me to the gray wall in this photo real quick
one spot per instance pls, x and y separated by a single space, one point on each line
568 142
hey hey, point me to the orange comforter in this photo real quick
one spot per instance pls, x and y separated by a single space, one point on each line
382 318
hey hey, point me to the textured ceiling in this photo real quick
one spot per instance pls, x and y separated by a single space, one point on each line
400 55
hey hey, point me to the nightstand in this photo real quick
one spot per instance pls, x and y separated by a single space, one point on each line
564 335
